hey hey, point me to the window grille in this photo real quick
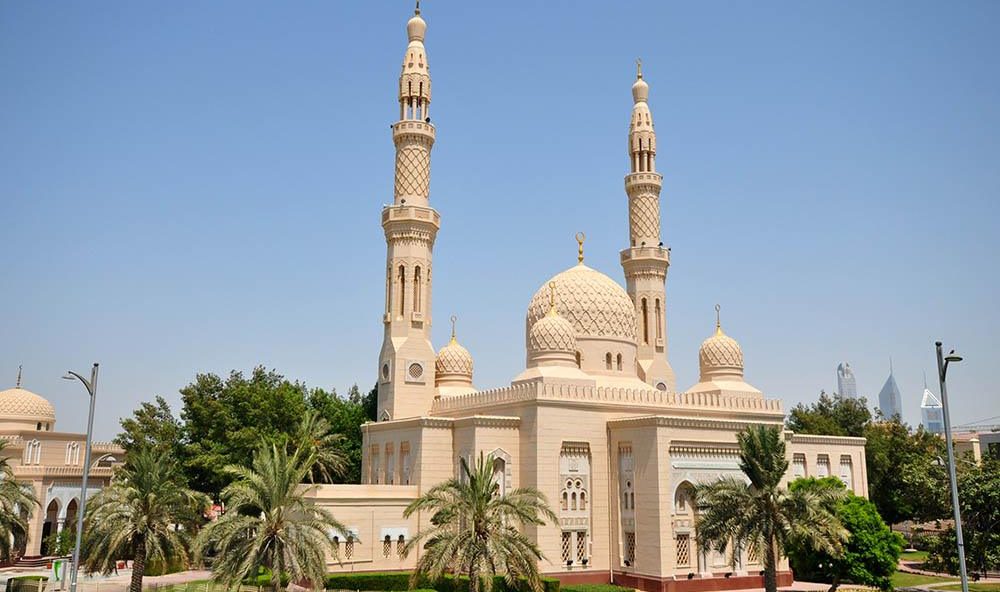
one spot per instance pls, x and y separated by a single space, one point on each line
581 546
386 546
349 548
683 550
567 549
401 546
752 554
335 549
630 547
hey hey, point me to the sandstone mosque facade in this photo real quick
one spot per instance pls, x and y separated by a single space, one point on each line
594 421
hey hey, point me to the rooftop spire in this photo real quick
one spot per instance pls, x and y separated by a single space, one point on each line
580 237
453 317
638 68
552 299
417 9
718 319
18 376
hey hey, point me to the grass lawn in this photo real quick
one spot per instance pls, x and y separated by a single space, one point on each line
914 556
973 587
905 580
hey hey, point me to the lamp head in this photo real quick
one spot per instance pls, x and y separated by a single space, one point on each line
952 357
68 377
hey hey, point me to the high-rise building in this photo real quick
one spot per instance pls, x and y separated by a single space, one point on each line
889 400
931 415
847 386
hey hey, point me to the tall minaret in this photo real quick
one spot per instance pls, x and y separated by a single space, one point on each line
406 364
646 260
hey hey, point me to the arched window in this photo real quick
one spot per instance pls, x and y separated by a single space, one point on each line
607 360
349 547
572 501
386 546
565 500
659 320
579 360
402 290
416 289
335 551
645 322
400 546
583 500
619 362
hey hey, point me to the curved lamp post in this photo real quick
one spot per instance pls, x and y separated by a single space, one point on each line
91 386
943 362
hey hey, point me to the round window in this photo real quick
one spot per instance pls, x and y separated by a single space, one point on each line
416 371
661 386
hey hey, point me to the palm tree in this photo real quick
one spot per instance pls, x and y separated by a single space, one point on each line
16 503
315 437
761 514
140 515
475 530
269 522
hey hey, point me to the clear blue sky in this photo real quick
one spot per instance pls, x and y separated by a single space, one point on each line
195 187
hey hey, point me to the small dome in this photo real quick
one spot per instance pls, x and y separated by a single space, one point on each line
720 356
416 27
594 304
453 364
640 90
22 404
552 334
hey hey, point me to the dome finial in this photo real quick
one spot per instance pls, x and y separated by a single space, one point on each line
18 376
718 319
552 299
417 9
580 237
638 68
453 317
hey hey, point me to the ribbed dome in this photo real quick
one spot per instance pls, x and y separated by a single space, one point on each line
720 356
640 90
552 334
19 403
594 304
453 359
416 27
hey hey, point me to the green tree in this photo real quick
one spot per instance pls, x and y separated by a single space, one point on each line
906 479
17 501
153 425
831 416
979 495
345 416
478 532
225 421
316 438
270 522
871 554
761 514
136 517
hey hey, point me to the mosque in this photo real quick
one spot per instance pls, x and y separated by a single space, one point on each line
51 463
595 420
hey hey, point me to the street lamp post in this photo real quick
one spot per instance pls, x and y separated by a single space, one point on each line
92 391
943 362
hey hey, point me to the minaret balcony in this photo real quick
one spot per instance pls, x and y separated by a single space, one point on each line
659 256
403 213
635 180
412 127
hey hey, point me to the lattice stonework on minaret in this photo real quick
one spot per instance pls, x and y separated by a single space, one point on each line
644 218
413 170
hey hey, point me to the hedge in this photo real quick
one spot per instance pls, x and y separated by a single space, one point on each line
398 581
26 583
594 588
158 567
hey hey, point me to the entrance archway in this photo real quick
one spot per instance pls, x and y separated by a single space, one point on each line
49 526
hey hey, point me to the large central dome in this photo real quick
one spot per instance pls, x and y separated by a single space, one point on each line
593 303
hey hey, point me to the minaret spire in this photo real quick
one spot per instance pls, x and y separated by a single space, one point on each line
406 364
18 385
645 261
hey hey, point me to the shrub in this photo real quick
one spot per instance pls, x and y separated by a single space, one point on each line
157 567
594 588
398 581
26 583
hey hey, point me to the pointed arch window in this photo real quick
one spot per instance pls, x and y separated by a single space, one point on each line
402 290
619 361
607 360
645 322
416 289
659 319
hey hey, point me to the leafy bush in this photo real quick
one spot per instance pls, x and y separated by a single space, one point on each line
594 588
398 581
156 567
26 583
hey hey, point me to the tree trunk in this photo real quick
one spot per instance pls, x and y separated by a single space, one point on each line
473 580
770 566
835 584
138 565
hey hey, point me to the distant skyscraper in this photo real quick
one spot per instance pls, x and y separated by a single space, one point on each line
847 387
931 414
889 399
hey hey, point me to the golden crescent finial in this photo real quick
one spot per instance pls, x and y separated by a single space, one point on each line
718 319
453 319
580 237
638 68
552 297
